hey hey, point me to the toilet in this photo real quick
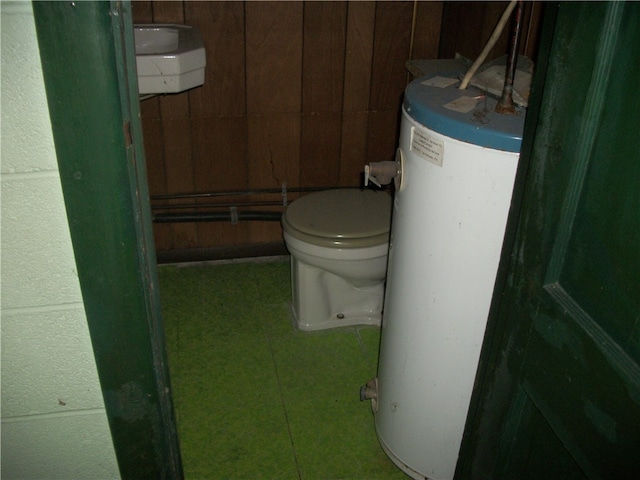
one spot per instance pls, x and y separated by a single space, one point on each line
338 241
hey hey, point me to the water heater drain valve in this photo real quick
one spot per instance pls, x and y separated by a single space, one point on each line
370 392
383 173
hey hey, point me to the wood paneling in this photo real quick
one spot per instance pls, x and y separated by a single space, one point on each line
358 56
219 150
391 50
353 147
156 173
392 43
426 38
274 47
296 93
466 27
320 149
179 171
273 56
274 159
176 131
322 92
323 56
222 25
382 135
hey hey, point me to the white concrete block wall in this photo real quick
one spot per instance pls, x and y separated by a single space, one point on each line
54 423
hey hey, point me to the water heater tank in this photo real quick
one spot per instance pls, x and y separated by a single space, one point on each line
459 161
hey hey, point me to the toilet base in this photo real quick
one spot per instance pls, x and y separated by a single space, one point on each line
349 320
322 300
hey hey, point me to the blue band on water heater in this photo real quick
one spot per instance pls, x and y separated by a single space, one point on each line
481 126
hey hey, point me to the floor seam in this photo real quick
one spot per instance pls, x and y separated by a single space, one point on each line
284 407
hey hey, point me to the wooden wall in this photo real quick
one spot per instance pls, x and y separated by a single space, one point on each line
466 27
302 93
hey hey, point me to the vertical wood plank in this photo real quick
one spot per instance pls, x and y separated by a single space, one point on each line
169 11
391 50
274 100
141 11
466 27
357 89
150 108
174 110
274 150
154 155
274 89
156 175
353 148
426 39
219 147
465 41
322 92
179 173
359 55
490 16
320 151
323 56
274 56
274 159
389 77
222 27
384 126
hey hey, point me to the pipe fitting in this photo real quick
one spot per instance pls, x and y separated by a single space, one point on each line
370 392
381 173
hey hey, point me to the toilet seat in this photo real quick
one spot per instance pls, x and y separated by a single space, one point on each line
341 218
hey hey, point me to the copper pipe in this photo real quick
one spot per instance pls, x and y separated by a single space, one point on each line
506 105
489 45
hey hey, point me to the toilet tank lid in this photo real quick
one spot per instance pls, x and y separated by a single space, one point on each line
340 214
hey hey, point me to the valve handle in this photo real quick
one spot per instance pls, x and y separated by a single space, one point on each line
370 178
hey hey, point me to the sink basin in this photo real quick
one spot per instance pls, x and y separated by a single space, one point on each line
169 58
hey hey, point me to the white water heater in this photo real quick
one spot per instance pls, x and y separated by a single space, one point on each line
458 163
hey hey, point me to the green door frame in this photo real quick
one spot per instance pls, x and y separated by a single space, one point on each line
88 61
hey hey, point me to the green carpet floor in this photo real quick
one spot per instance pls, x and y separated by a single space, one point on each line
257 399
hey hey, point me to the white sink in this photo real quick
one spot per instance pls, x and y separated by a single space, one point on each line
169 58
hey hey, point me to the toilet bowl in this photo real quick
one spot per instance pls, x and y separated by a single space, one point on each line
338 241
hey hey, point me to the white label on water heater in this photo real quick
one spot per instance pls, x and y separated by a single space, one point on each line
427 146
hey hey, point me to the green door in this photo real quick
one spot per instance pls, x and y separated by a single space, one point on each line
558 391
88 63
